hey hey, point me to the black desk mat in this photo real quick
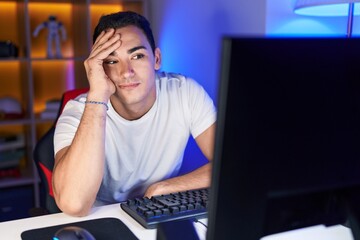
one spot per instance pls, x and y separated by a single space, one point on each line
101 229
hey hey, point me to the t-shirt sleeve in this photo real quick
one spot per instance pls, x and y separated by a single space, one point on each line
203 111
67 124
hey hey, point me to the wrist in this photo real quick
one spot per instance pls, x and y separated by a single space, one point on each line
98 103
157 188
97 96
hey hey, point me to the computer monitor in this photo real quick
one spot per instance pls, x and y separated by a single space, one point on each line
287 147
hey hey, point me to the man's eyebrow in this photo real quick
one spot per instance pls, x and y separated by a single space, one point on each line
131 50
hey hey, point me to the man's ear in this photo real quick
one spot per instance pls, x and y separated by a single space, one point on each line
157 58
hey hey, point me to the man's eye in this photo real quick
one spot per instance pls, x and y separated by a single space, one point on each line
138 56
109 62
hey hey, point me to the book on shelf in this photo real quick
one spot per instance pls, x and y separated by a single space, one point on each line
12 172
53 104
10 141
14 162
48 114
11 158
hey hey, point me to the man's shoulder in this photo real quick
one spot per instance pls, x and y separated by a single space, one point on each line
175 79
170 76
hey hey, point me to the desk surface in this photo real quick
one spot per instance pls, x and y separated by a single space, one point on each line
12 230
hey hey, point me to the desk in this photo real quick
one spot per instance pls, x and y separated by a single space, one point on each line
12 230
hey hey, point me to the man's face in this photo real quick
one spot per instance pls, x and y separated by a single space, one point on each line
132 69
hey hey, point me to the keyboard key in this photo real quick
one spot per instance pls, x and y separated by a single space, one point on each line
166 211
168 203
182 208
150 207
190 206
130 202
174 209
157 212
142 209
149 214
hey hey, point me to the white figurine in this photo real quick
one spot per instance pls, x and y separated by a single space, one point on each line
53 27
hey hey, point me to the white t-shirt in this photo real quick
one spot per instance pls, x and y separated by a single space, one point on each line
141 152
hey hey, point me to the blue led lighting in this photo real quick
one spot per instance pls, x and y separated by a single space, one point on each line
307 27
328 10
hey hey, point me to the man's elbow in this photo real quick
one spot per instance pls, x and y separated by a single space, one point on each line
74 208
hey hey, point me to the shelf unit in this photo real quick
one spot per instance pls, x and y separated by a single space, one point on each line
33 79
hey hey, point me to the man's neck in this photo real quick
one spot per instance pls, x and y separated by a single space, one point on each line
132 111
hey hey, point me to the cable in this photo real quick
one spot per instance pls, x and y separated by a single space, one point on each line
197 221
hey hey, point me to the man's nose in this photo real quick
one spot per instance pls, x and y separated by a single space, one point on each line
127 70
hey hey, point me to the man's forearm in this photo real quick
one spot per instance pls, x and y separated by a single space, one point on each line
199 178
78 172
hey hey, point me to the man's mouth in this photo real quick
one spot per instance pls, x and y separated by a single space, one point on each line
129 86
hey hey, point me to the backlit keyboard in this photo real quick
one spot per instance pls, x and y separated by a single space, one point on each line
163 208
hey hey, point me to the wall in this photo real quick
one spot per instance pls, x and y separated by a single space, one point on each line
189 34
281 20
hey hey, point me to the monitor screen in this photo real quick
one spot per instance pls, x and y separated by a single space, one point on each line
287 147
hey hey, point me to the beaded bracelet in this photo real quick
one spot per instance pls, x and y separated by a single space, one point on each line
96 102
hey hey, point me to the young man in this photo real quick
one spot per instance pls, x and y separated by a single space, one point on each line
126 137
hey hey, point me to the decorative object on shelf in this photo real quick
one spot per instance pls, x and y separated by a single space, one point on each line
52 109
54 27
329 8
10 108
8 49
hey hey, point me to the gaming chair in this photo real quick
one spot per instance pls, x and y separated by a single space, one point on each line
44 155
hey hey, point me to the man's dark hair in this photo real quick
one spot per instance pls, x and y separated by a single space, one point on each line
123 19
